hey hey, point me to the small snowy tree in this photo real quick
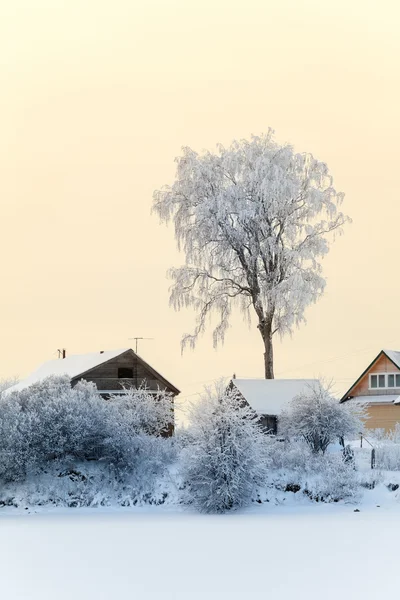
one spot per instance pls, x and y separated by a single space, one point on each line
318 418
226 458
253 221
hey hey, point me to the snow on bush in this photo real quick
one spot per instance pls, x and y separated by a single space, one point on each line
330 479
292 455
51 423
294 467
387 448
73 484
226 459
317 417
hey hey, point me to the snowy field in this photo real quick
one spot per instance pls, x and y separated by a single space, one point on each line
283 552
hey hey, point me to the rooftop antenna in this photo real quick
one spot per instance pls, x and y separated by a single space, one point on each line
62 353
137 339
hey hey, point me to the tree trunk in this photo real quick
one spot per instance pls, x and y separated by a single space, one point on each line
266 334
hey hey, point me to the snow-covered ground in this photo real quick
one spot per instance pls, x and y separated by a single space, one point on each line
310 551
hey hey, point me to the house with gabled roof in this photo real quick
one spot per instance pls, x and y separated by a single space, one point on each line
270 397
111 371
378 387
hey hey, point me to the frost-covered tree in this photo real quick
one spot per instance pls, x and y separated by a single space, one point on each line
318 418
253 220
226 458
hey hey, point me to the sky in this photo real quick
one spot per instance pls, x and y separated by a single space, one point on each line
98 98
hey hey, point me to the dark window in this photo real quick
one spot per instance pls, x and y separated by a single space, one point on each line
125 373
269 423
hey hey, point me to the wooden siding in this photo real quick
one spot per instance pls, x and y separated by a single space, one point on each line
105 376
382 365
383 416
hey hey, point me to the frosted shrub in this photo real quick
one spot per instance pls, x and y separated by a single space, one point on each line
387 448
50 421
317 417
293 455
377 434
324 478
331 480
227 458
136 443
393 435
75 484
387 456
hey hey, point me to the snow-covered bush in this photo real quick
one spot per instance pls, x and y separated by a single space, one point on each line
377 434
227 458
387 448
290 455
387 456
317 417
92 483
331 479
393 435
51 421
322 477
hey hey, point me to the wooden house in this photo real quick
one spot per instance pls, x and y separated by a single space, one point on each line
269 397
379 387
111 372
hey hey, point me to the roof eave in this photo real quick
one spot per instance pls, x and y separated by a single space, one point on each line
345 397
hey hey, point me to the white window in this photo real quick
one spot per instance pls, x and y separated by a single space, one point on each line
384 381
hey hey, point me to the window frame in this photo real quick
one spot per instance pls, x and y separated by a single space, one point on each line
396 375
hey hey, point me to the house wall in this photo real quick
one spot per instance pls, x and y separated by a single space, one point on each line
105 376
383 416
382 365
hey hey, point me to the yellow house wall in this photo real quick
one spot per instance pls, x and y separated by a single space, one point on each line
383 416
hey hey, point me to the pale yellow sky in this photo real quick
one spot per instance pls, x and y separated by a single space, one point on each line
97 98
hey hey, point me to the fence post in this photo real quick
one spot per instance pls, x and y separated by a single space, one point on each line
361 441
372 458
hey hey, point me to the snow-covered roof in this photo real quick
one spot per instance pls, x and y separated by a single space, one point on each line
271 396
382 399
73 366
394 356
